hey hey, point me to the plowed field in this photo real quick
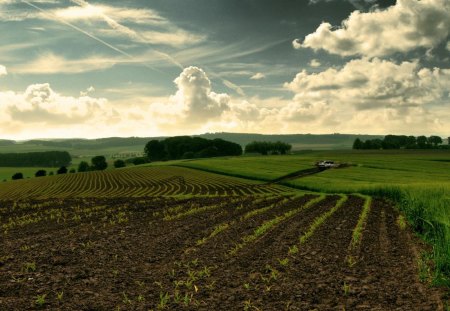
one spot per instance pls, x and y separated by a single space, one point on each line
272 252
135 182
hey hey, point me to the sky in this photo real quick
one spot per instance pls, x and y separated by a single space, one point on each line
89 69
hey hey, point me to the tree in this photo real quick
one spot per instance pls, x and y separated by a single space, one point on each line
357 144
17 176
422 142
265 147
51 173
40 173
83 166
72 171
99 163
119 163
435 140
62 170
155 150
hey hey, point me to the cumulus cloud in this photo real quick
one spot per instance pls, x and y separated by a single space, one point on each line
194 102
374 83
40 104
405 26
3 71
258 76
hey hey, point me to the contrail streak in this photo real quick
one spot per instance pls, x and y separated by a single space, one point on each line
129 32
86 33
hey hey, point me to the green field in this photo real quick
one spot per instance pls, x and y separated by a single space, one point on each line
417 181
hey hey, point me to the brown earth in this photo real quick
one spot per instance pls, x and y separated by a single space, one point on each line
145 254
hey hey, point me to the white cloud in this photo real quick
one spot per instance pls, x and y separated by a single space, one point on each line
39 104
86 11
407 25
258 76
3 71
371 84
314 63
50 63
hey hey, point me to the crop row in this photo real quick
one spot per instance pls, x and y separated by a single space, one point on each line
137 182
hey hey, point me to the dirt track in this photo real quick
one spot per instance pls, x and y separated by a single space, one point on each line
141 254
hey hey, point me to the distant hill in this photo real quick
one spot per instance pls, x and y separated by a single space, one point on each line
123 145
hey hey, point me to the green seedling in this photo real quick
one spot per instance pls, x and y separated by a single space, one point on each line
40 300
247 286
60 295
163 301
293 250
29 267
346 289
401 222
126 299
283 262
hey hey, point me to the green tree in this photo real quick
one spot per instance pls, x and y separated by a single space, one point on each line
40 173
155 150
72 171
357 144
422 142
83 166
17 176
119 163
435 140
99 163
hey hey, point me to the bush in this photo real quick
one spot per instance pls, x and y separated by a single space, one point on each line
119 163
99 163
40 173
62 170
17 176
83 166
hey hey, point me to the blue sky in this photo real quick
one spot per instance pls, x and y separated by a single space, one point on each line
170 67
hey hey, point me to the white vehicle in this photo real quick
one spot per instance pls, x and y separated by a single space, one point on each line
326 164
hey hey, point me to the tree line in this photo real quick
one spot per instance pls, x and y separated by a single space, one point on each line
186 147
35 159
400 142
266 147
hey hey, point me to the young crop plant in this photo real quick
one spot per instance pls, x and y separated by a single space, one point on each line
321 219
29 267
266 226
163 301
40 300
357 232
401 222
217 229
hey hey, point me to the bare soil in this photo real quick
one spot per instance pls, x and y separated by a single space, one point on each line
127 254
